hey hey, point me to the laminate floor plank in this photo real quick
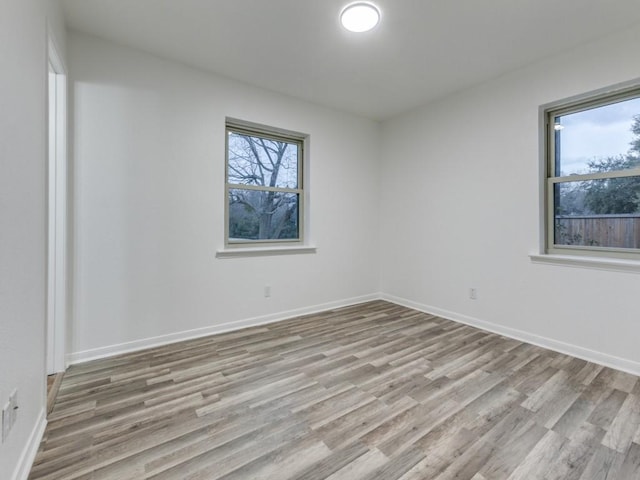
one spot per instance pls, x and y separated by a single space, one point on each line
370 391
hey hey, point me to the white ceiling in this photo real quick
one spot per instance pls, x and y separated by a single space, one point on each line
422 49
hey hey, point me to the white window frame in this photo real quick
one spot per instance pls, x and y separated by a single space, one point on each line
269 246
576 104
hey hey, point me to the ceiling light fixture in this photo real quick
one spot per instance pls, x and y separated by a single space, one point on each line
360 17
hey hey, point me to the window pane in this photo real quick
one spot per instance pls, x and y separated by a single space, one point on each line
263 215
600 139
598 213
262 162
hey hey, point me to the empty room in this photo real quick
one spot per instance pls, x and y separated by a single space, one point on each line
300 239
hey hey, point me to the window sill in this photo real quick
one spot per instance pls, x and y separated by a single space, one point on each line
598 263
263 251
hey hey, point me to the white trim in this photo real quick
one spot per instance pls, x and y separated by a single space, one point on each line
598 263
109 351
57 204
54 54
263 251
600 358
30 450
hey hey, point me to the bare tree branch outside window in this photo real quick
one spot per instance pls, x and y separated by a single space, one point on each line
263 187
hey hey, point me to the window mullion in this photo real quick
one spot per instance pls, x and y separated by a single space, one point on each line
240 186
597 176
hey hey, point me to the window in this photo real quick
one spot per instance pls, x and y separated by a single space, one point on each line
593 176
264 186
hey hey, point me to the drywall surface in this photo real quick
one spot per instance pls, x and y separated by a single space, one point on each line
23 47
460 208
149 162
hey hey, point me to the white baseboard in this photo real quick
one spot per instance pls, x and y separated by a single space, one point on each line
594 356
31 448
111 350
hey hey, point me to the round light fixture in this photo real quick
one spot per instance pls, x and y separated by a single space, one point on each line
360 17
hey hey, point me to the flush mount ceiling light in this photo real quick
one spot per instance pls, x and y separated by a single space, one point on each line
360 17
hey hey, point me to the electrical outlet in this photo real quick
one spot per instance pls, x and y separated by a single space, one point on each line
473 294
267 291
6 421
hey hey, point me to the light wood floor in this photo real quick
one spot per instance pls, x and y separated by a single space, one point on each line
53 385
375 391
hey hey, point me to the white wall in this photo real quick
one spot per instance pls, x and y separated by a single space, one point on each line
149 202
460 208
23 47
452 197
